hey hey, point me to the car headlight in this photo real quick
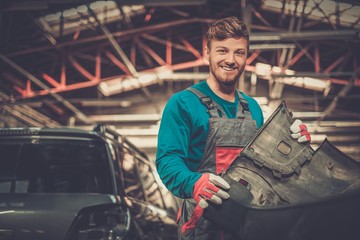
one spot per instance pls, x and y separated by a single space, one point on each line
110 222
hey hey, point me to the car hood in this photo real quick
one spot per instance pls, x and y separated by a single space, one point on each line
42 215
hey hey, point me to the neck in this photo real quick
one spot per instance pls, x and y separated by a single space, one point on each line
226 92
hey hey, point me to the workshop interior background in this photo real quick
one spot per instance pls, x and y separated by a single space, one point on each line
77 63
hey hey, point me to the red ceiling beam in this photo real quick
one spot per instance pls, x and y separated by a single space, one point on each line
317 58
98 66
132 55
117 62
195 52
63 74
168 49
28 91
337 62
300 54
253 56
51 80
152 53
81 70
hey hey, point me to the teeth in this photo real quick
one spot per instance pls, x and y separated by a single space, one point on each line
228 68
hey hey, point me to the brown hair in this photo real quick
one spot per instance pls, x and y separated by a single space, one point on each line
230 27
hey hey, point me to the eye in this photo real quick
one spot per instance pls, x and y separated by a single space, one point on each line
221 51
240 53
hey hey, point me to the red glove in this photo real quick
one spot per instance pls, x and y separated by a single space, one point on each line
206 188
299 131
209 187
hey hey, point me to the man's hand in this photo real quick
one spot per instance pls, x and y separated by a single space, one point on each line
299 131
210 187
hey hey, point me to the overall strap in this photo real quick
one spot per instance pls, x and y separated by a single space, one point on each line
244 110
212 107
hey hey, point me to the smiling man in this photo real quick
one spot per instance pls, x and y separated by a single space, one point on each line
204 128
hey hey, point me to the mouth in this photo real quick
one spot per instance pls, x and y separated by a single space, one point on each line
228 69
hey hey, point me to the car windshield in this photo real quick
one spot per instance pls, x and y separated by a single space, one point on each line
54 166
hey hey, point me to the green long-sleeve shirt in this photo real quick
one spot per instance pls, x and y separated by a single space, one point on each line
183 133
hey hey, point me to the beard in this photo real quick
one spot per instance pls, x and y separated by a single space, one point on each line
223 78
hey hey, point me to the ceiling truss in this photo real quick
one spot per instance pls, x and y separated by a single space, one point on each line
165 45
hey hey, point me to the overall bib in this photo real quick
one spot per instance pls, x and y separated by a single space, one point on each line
226 138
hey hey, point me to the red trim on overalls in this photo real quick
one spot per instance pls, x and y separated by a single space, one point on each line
198 211
225 156
178 215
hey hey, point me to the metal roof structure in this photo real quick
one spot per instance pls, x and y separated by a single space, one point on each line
77 63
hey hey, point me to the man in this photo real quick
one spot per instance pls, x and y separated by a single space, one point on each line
205 127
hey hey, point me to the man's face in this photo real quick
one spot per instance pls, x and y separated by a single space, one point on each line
227 60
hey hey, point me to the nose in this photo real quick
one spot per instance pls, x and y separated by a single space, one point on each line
229 60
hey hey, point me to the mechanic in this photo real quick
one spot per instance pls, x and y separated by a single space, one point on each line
205 127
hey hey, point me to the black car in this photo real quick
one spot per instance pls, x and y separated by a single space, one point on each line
75 184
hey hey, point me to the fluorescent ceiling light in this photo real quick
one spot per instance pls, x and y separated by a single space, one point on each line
287 77
78 18
128 83
307 82
262 69
125 84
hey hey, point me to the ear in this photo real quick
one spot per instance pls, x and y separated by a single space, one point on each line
206 53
